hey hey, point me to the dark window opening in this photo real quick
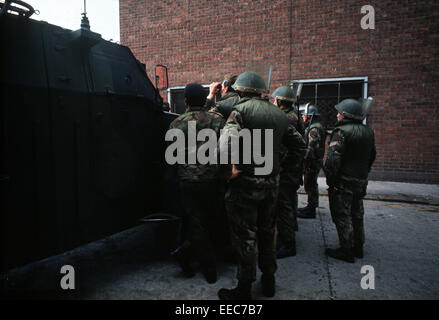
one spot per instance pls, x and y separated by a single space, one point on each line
325 95
177 101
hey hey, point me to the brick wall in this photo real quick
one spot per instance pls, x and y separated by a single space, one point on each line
310 39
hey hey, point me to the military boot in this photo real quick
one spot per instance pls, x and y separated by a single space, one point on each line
341 254
242 292
268 285
286 251
306 213
358 251
209 272
181 255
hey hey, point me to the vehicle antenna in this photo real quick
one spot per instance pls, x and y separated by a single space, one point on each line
85 23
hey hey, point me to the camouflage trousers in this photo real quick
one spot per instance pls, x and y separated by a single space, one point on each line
311 186
251 215
222 238
286 216
347 213
200 222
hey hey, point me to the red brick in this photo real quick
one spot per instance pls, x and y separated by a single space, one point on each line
202 40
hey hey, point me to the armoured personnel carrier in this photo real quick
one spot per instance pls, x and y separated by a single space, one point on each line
82 137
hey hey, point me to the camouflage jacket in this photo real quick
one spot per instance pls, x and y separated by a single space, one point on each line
292 158
223 105
204 120
315 136
351 154
295 121
255 113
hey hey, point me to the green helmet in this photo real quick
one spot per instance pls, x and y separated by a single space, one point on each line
250 81
351 108
284 93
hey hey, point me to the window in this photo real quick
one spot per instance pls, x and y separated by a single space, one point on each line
326 93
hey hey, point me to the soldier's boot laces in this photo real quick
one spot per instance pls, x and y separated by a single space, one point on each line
268 285
241 292
181 256
306 213
358 251
341 254
286 251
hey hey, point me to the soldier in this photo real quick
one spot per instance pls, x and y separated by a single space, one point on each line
315 136
292 114
197 184
250 198
228 96
290 177
350 157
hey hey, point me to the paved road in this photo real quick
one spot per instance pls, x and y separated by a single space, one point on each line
402 245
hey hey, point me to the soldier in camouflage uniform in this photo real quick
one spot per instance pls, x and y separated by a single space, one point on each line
315 136
290 177
197 184
250 198
292 113
229 97
350 157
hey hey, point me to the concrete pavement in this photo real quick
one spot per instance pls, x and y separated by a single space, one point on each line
402 246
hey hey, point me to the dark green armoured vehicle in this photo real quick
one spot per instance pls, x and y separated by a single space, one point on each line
81 138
